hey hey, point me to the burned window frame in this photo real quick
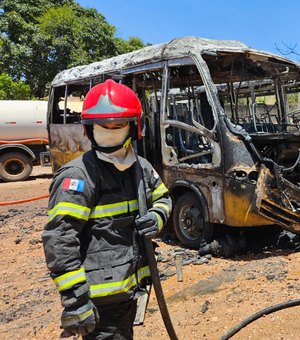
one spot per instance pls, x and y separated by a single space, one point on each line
147 80
156 116
206 152
253 77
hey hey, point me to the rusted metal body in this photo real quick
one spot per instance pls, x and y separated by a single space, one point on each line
278 199
222 126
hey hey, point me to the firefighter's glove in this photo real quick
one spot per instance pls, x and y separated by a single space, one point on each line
149 225
80 320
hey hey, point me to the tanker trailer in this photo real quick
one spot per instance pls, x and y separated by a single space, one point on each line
23 138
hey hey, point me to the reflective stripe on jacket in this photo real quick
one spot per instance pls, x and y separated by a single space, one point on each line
90 235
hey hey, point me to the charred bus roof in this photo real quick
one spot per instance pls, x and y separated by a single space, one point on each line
177 48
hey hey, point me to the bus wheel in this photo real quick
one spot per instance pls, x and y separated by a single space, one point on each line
15 166
188 221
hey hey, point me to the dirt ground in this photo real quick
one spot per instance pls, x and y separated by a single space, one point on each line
215 294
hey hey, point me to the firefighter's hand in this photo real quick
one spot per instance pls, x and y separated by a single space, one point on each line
148 225
80 320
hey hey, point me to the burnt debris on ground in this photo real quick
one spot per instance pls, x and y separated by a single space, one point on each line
231 244
237 245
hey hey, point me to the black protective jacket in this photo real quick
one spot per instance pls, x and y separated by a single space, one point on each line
90 242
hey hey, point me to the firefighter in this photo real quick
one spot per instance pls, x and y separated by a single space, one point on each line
92 240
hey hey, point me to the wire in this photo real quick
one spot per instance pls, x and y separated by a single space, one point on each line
25 200
269 310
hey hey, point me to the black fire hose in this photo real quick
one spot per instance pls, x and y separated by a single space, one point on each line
268 310
142 203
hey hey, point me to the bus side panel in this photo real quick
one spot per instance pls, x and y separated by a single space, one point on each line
207 181
240 205
240 176
66 143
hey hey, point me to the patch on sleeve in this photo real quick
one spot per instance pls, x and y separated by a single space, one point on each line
73 184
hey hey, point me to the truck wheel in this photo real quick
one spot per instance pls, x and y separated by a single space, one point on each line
15 166
188 221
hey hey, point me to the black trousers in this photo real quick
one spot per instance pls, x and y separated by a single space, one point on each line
116 321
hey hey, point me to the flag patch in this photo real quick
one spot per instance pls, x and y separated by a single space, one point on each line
73 184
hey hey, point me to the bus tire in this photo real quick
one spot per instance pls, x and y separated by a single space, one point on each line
188 221
15 166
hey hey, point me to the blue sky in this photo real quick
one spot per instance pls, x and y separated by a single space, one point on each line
259 23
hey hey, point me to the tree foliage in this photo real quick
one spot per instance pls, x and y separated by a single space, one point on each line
39 38
133 43
10 89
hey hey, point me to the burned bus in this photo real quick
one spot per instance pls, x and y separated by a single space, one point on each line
222 127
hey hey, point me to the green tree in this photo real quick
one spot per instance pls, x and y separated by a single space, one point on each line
39 38
10 89
133 43
76 36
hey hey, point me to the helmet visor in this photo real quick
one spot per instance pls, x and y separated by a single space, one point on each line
100 121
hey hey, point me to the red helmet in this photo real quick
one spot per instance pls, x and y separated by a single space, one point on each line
111 101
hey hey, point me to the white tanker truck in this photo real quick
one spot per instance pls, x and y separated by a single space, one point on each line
23 138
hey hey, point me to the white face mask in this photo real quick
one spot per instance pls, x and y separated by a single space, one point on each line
122 159
110 137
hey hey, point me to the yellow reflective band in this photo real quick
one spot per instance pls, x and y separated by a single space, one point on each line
133 205
71 319
70 209
160 222
86 314
158 192
69 279
112 288
114 209
163 206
